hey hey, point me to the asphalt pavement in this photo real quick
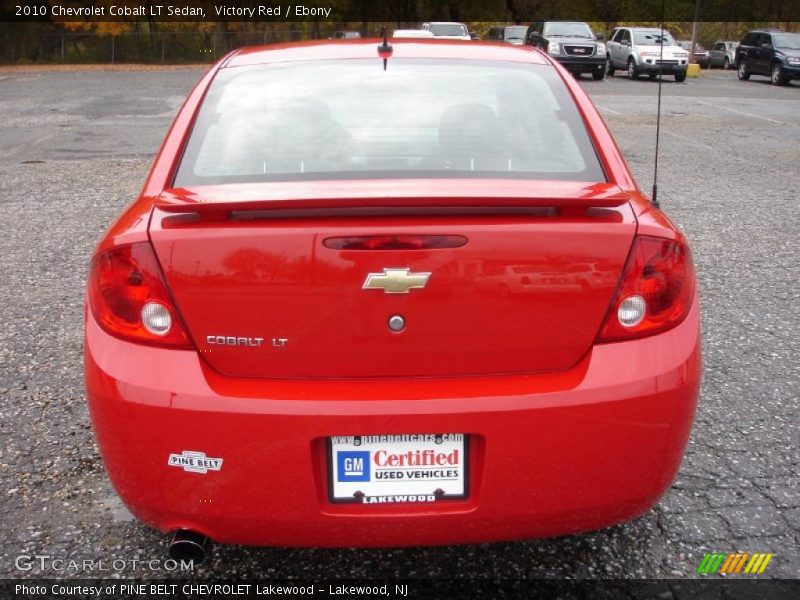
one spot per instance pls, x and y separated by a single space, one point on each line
75 147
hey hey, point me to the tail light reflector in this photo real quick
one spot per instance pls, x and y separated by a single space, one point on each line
655 293
129 298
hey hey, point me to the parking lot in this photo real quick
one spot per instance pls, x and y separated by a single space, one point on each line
75 147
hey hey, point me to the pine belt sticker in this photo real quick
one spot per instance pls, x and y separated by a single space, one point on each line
194 462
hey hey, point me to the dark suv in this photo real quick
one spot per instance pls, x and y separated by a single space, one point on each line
771 52
571 43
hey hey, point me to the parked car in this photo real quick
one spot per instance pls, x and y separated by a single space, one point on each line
771 52
448 30
285 343
646 50
346 35
701 55
723 54
572 43
513 34
505 280
539 278
412 33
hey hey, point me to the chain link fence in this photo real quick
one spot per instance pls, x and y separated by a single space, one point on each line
167 47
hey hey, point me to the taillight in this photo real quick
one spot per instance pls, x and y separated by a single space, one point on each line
656 291
395 242
129 299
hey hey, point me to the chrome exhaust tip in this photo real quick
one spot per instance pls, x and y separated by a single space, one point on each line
187 545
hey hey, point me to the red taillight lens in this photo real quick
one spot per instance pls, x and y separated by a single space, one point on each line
656 290
395 242
129 299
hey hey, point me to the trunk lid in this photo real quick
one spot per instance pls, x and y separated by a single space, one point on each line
273 291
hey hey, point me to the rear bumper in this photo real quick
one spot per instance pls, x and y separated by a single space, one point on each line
550 454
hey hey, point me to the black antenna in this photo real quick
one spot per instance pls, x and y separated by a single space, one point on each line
385 49
654 199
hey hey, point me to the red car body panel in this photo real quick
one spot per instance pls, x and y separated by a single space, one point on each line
287 284
553 454
565 434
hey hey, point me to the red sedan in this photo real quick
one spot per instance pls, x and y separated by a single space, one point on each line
368 303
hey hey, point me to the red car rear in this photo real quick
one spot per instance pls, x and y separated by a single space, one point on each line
368 306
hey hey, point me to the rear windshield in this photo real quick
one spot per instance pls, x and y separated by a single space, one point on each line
451 29
354 120
515 33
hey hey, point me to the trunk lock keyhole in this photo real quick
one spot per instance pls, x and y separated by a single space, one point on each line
397 323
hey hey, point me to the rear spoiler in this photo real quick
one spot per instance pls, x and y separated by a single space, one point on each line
427 193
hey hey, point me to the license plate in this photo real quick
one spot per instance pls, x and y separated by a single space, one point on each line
386 469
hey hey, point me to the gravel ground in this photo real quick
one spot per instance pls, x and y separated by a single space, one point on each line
75 148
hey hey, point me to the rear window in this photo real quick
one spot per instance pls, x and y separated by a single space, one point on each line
750 39
447 29
354 120
515 33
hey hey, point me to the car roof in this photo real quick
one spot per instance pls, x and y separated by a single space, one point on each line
368 48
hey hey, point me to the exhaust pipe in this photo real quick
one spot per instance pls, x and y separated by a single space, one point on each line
187 545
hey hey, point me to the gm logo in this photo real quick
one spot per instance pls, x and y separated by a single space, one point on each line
352 466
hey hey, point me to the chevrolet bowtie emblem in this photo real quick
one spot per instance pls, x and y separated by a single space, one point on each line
395 281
